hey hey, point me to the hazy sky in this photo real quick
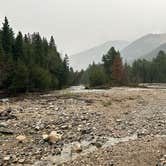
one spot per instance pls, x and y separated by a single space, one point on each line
81 24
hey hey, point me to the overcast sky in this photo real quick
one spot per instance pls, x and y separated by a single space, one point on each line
81 24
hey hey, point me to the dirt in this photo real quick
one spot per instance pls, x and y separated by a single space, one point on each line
120 126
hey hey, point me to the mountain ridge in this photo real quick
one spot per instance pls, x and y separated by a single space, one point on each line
95 54
142 46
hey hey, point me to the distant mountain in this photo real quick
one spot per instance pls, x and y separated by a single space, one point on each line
155 52
83 59
142 47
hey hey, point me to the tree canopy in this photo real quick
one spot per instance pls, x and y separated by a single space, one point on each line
29 62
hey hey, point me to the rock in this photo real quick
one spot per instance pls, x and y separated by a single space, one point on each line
6 114
45 137
56 108
39 125
5 131
3 124
6 158
64 127
21 138
97 144
5 100
141 133
118 120
162 161
21 160
86 131
111 163
54 137
77 148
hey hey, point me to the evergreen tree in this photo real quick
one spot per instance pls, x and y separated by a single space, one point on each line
30 63
20 78
108 61
2 64
7 37
65 70
52 43
18 47
97 76
40 79
38 50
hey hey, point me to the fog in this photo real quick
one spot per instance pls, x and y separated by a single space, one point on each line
81 24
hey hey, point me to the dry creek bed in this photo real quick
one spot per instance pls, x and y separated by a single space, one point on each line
116 127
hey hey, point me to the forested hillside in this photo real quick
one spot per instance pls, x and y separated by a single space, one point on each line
30 62
112 71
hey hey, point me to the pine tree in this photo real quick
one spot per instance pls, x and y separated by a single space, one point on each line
65 70
97 76
38 50
2 64
18 47
20 78
108 60
30 63
52 43
7 37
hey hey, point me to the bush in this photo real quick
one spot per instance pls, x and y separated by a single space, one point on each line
97 76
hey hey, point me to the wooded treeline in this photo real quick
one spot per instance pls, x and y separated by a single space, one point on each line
113 72
31 63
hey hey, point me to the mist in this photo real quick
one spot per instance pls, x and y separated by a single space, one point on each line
80 24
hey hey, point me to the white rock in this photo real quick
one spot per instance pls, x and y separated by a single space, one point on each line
54 137
7 158
45 137
77 147
21 138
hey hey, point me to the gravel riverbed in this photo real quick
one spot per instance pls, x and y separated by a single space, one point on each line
116 127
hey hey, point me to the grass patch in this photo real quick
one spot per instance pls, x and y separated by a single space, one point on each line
107 103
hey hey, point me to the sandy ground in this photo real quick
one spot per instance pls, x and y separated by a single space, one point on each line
121 127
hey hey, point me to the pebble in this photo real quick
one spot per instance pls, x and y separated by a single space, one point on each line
7 158
21 138
77 148
53 137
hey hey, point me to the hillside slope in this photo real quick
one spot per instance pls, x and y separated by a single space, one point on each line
83 59
155 52
142 46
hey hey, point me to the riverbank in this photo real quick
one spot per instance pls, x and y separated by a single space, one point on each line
120 126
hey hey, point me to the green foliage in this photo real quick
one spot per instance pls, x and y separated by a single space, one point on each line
111 72
40 79
108 61
143 71
97 76
117 74
30 63
107 103
7 37
18 51
20 78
